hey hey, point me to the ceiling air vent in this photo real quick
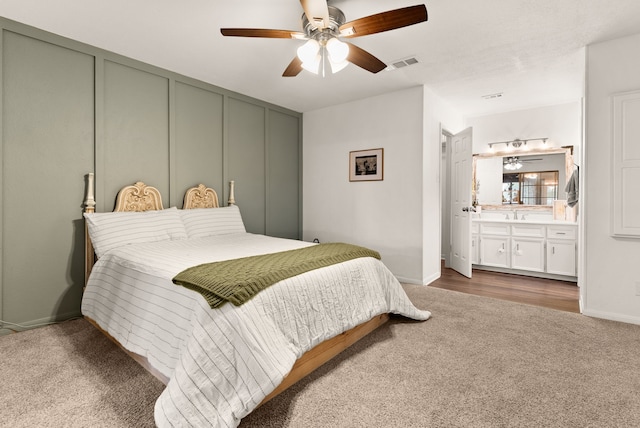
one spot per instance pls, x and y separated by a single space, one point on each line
492 96
401 63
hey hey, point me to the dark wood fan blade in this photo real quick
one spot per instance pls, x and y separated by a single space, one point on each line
384 21
262 32
364 59
317 12
294 68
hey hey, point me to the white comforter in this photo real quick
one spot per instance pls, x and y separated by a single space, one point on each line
222 363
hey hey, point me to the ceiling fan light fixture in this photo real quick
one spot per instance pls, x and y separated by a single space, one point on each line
309 54
322 23
309 51
338 51
312 65
337 66
512 164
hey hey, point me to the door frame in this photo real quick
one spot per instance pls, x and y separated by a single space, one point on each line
445 224
445 195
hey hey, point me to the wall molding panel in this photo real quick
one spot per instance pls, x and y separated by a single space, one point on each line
625 165
68 108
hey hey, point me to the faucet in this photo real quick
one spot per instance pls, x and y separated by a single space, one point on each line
515 214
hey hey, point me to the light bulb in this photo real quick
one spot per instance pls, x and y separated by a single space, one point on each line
313 65
337 66
338 51
309 51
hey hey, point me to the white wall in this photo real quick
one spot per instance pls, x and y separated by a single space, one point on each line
489 179
399 216
438 115
612 271
382 215
561 123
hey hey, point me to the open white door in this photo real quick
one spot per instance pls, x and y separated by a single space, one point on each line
461 208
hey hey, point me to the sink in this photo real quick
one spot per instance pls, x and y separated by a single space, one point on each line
508 216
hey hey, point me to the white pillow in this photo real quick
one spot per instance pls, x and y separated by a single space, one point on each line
114 229
201 222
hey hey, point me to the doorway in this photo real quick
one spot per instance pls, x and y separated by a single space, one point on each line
523 289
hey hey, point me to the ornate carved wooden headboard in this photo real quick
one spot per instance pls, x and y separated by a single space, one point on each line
137 197
200 197
140 197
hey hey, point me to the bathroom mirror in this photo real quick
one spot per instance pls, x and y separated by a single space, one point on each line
532 178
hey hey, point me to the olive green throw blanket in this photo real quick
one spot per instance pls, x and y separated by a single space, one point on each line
238 280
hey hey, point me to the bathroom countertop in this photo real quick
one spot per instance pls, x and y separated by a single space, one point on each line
546 222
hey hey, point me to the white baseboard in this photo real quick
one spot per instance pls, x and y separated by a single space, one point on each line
428 280
408 280
611 316
425 281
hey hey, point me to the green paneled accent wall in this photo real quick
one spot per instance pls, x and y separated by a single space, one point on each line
135 143
47 147
68 109
283 175
246 161
198 135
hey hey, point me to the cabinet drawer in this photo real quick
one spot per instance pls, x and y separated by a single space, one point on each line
532 230
561 232
494 229
475 227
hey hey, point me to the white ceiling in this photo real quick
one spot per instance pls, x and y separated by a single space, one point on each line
532 51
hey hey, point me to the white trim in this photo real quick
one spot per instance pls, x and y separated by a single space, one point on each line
582 218
428 280
623 188
611 316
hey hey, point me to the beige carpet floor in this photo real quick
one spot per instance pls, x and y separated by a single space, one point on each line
478 362
70 375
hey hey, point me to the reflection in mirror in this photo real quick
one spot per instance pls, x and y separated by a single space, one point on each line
536 178
530 188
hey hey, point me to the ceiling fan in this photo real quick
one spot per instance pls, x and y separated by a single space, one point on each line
324 26
514 162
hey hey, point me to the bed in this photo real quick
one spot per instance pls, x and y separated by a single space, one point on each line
219 364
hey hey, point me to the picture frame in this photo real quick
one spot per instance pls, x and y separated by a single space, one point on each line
366 165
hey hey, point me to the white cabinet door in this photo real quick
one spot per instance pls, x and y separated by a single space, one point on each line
494 251
475 249
561 257
527 253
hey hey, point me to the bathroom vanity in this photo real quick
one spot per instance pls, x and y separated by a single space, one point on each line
522 222
544 248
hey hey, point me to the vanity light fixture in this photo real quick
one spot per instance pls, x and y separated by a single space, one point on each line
517 143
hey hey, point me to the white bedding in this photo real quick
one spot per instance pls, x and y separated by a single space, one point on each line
222 363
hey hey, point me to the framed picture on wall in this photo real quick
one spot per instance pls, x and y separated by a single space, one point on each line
366 165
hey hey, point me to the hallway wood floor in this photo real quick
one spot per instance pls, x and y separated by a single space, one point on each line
561 295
